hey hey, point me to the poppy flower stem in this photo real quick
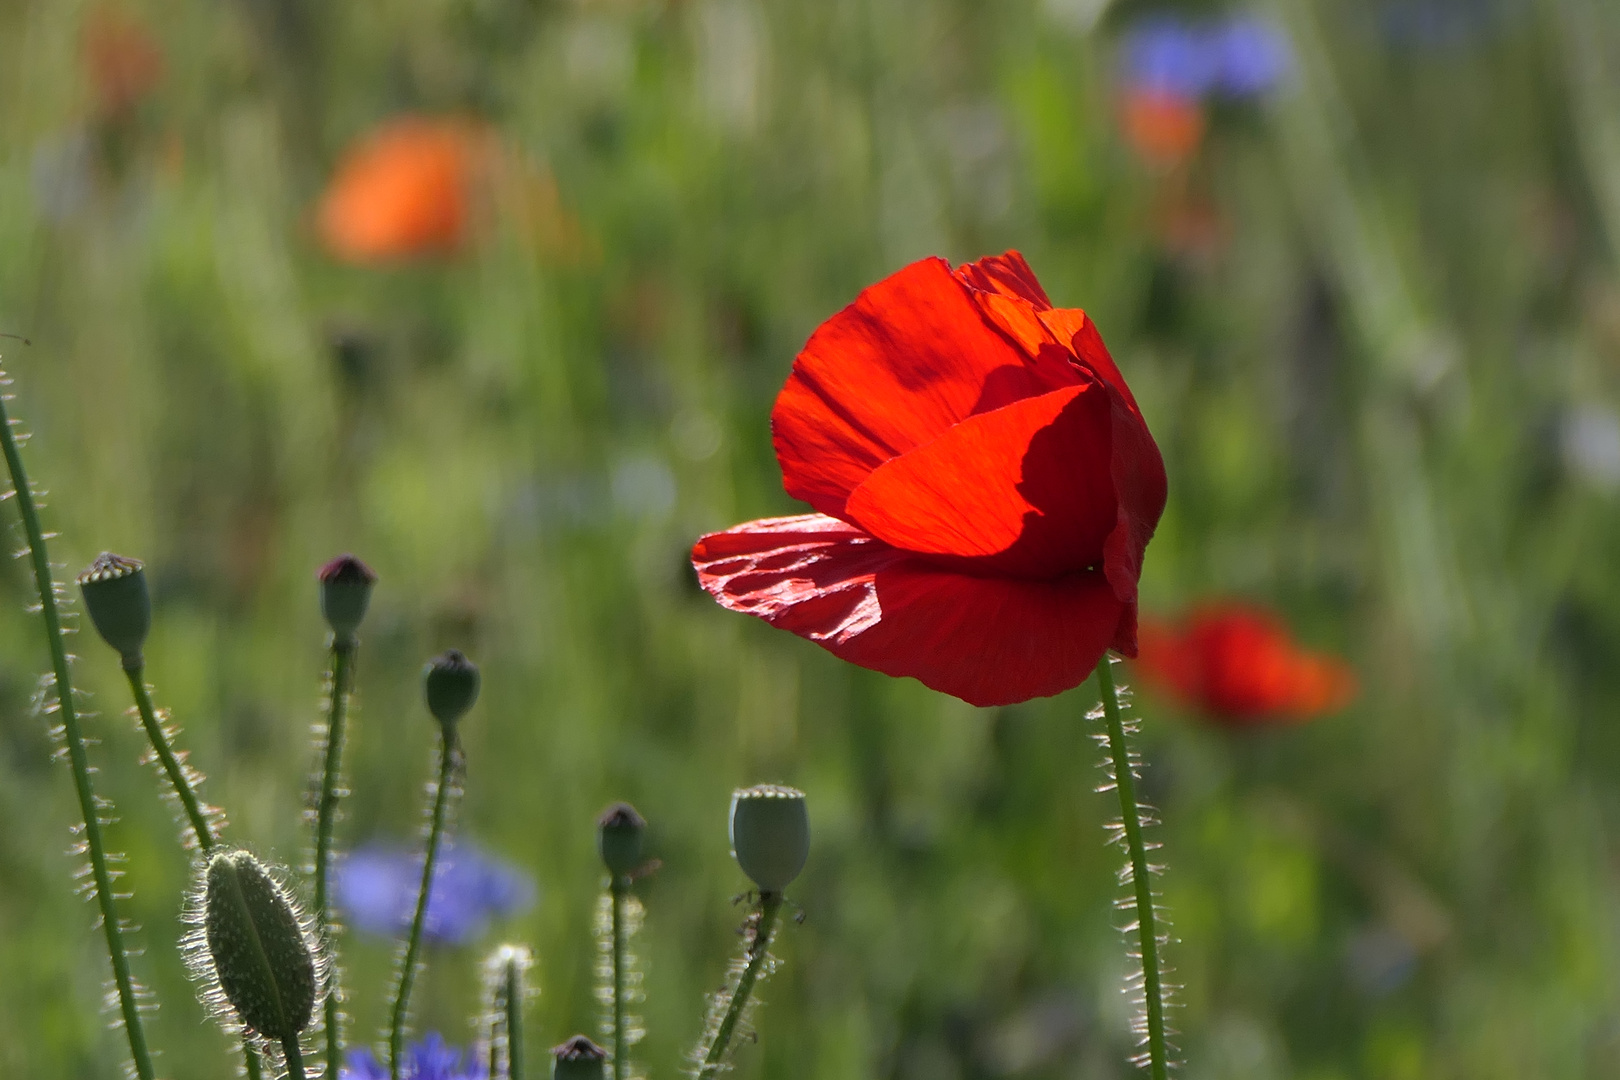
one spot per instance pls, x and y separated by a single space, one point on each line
201 829
92 808
337 710
759 947
295 1057
621 1063
413 945
1146 925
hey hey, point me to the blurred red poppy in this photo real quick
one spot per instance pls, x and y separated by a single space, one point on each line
403 191
122 59
1164 128
984 488
1240 665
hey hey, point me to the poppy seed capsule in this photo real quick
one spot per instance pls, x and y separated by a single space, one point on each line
260 950
450 685
114 590
770 834
345 592
578 1059
618 839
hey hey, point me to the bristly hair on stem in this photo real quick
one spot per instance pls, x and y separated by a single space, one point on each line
619 978
730 1007
326 793
1147 933
506 990
57 693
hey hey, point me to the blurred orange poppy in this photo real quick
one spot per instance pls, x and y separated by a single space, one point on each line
1240 665
405 190
1164 128
122 59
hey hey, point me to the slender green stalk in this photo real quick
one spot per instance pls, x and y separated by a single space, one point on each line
769 904
325 818
413 945
295 1057
77 757
1146 924
251 1058
514 1023
621 1061
201 830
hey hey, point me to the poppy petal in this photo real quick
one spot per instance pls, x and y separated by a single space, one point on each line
908 359
988 641
1001 490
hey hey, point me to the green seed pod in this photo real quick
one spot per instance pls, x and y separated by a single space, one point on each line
618 839
770 834
578 1059
262 952
346 584
451 686
114 589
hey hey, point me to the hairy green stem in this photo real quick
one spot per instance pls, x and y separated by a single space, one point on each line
77 757
250 1058
413 946
1146 924
514 1024
200 828
769 904
295 1057
325 818
621 1063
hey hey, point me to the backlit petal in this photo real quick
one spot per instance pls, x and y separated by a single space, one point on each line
988 641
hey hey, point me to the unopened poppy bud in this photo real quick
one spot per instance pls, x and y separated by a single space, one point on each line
114 590
262 950
345 591
770 834
451 687
618 839
578 1059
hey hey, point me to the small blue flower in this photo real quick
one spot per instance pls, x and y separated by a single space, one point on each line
1240 56
376 889
430 1059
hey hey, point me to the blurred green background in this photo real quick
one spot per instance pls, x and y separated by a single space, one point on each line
1372 318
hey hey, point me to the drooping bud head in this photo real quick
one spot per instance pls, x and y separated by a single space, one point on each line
770 834
260 948
345 591
114 590
618 839
451 686
578 1059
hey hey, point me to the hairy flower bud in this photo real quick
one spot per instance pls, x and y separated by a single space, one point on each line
451 686
261 949
618 839
346 584
578 1059
114 590
770 834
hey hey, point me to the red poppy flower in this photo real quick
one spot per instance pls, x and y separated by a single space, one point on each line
124 62
403 191
1240 665
1164 128
983 482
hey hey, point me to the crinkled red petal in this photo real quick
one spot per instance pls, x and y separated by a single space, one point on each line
1019 491
908 359
988 641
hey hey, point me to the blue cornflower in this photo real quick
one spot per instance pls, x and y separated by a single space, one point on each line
376 888
430 1059
1238 56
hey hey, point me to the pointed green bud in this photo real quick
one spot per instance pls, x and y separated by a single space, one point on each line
618 839
114 589
451 686
578 1059
261 947
345 592
770 834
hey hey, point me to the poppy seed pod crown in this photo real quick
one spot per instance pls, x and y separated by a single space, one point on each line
578 1059
115 595
618 839
770 834
260 949
450 686
346 584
